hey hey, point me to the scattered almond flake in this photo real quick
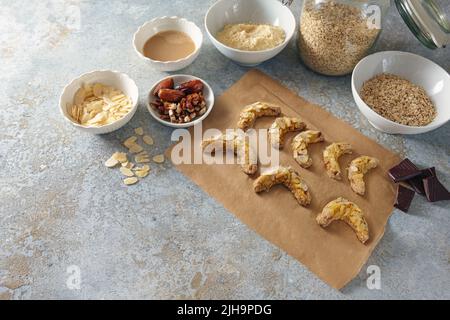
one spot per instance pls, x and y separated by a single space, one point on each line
139 131
124 164
120 156
130 165
130 141
145 167
148 140
135 148
158 158
126 171
111 162
142 154
141 173
142 159
130 181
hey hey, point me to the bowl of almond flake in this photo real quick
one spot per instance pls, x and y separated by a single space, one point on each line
99 101
402 93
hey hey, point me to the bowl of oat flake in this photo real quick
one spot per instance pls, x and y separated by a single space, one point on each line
401 93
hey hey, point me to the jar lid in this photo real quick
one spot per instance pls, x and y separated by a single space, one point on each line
427 21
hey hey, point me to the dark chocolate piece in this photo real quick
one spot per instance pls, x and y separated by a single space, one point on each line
404 198
417 182
434 190
403 171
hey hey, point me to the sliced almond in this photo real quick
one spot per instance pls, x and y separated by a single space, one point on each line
99 118
141 173
97 89
139 131
120 156
148 140
79 97
130 181
145 167
142 155
94 107
135 148
158 158
143 160
126 171
111 162
130 141
117 97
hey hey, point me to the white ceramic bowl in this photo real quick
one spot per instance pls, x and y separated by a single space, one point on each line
208 94
111 78
245 11
420 71
152 27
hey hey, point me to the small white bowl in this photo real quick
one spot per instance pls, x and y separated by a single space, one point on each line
152 27
249 11
208 94
115 79
420 71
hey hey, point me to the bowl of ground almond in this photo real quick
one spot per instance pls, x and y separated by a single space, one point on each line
402 93
249 32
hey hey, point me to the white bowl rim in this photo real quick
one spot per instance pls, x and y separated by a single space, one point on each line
179 125
286 40
176 18
135 103
380 117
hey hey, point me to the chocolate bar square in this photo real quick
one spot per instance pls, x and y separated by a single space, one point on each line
404 198
403 171
417 182
435 190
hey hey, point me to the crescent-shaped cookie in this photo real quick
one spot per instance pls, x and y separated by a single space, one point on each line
347 211
300 146
281 126
287 177
331 156
246 156
356 171
256 110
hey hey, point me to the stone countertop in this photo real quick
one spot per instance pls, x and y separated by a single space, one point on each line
62 211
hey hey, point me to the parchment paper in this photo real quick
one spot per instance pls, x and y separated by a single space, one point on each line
334 254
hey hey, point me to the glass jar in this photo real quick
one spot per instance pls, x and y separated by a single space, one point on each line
428 20
334 35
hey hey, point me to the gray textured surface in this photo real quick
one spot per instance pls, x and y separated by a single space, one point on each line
165 238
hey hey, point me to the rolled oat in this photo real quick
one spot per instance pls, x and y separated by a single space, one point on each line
334 37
